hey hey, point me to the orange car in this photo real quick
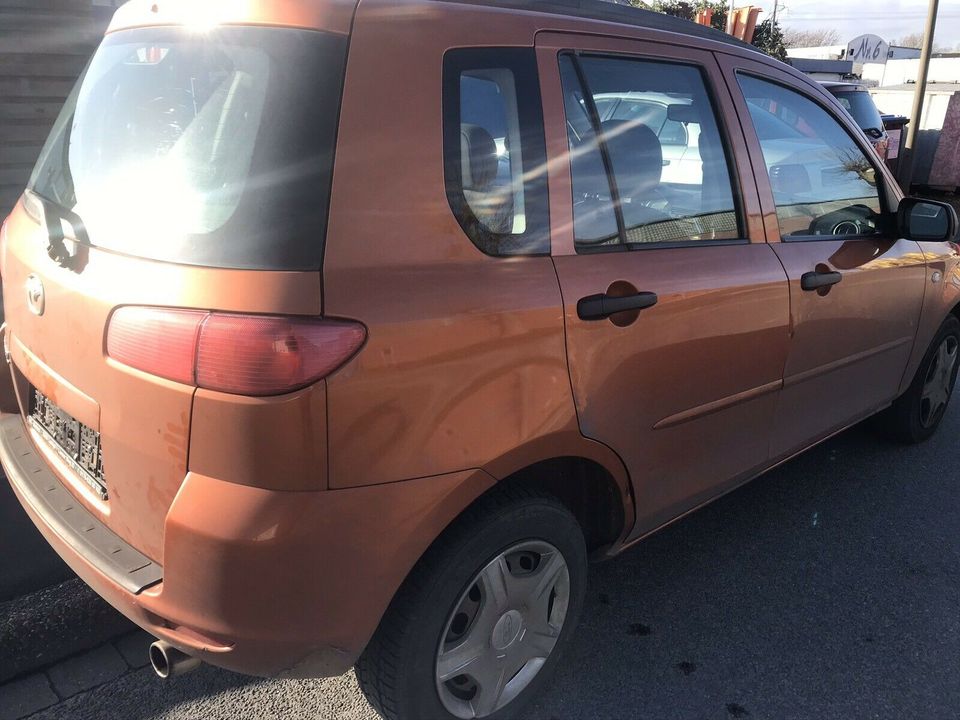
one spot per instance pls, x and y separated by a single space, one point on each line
345 333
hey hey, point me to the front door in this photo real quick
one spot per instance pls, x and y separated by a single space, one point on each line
856 286
676 309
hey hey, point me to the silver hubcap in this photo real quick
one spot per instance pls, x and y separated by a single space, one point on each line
503 629
938 383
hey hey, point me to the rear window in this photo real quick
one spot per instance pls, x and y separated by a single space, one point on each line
861 106
210 148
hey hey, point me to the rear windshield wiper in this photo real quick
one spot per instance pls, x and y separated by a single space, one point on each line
52 215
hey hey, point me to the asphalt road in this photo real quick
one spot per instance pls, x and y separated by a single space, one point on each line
827 589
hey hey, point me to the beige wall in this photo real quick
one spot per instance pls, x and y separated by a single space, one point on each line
44 45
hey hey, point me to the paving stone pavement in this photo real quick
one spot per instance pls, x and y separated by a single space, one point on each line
27 695
24 697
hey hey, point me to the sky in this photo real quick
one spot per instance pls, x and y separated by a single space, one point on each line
890 19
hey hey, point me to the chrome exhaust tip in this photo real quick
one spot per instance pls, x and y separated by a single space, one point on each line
168 662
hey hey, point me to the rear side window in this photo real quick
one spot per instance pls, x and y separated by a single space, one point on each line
208 148
494 152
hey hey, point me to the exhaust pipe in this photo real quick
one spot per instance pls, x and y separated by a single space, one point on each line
167 661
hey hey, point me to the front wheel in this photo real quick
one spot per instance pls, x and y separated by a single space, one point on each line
479 625
916 414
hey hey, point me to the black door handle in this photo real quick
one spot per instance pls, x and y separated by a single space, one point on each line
817 280
598 307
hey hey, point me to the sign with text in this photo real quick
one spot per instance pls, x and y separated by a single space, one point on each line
868 49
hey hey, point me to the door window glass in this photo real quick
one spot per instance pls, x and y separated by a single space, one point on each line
823 183
594 217
650 126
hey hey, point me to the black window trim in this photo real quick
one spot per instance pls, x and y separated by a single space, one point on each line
882 191
736 186
594 116
522 62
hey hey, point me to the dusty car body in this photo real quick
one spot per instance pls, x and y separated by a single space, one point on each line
290 372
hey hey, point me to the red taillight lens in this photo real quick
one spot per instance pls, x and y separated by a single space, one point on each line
240 354
156 340
263 355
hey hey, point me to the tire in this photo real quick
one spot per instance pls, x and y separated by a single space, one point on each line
916 415
413 667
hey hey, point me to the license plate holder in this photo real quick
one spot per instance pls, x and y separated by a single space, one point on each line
73 442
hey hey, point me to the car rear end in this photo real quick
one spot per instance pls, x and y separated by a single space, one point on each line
164 327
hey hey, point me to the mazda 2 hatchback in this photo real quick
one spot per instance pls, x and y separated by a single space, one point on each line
344 333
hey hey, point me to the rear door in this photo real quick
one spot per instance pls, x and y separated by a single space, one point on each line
856 287
676 309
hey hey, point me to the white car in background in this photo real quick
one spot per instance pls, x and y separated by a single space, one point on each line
679 139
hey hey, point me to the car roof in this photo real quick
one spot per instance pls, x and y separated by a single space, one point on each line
612 12
832 86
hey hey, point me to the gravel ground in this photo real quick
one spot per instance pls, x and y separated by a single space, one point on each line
827 589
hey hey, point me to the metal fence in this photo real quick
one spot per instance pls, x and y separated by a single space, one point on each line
44 45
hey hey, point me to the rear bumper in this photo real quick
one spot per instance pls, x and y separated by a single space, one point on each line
37 486
258 581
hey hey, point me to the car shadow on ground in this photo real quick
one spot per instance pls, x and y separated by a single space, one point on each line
828 588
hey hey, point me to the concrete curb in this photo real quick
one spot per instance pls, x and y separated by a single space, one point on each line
46 626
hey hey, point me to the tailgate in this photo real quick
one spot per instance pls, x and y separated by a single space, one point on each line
143 421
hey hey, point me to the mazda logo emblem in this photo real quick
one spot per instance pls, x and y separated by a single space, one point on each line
36 297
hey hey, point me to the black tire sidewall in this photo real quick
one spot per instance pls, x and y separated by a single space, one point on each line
454 566
915 429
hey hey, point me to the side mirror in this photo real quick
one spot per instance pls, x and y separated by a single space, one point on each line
926 220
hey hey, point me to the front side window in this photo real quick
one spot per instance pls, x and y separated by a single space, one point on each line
646 157
823 183
494 150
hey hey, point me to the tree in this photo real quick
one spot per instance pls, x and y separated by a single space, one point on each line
769 38
816 37
689 10
913 40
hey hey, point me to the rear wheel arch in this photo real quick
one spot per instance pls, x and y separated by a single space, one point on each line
955 311
600 498
587 489
586 475
598 495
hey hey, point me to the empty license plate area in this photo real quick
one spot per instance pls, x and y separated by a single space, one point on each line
75 443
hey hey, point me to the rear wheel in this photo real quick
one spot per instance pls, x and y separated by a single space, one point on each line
479 625
916 414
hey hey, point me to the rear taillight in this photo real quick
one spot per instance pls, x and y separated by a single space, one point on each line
240 354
